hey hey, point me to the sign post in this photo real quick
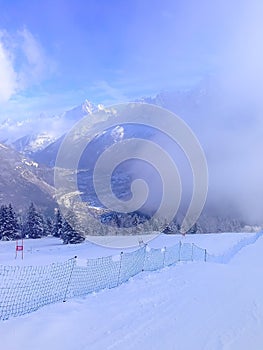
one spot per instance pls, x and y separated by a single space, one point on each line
20 248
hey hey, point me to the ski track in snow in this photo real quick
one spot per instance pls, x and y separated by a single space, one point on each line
189 306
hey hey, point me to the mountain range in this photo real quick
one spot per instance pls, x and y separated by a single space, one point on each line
35 135
29 148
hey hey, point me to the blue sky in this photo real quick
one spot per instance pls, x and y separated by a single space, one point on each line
54 54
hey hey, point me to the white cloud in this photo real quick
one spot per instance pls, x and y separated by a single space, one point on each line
23 63
37 66
114 95
8 76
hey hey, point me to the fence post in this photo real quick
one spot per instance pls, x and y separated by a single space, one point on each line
164 251
205 255
180 245
145 246
119 275
69 280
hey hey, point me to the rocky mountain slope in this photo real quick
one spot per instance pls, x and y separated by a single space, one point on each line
21 182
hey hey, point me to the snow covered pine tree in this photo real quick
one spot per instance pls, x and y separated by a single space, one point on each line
34 225
70 235
9 227
58 222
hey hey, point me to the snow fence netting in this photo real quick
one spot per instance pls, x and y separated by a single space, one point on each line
172 254
99 273
24 289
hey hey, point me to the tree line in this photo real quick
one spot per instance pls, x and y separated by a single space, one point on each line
35 225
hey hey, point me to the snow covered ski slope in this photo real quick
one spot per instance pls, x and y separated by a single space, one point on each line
195 305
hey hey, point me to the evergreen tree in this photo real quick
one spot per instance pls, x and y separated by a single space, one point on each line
9 227
193 229
58 222
171 228
2 220
34 224
48 227
69 234
14 222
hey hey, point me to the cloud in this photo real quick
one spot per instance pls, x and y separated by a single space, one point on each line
113 95
230 123
23 63
241 59
8 76
36 66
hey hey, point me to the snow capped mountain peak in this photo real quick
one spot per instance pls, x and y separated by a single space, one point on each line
34 134
40 141
29 144
80 111
88 107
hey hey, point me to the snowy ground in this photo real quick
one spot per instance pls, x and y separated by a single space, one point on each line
188 306
48 250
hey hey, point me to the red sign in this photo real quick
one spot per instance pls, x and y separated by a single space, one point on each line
19 247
